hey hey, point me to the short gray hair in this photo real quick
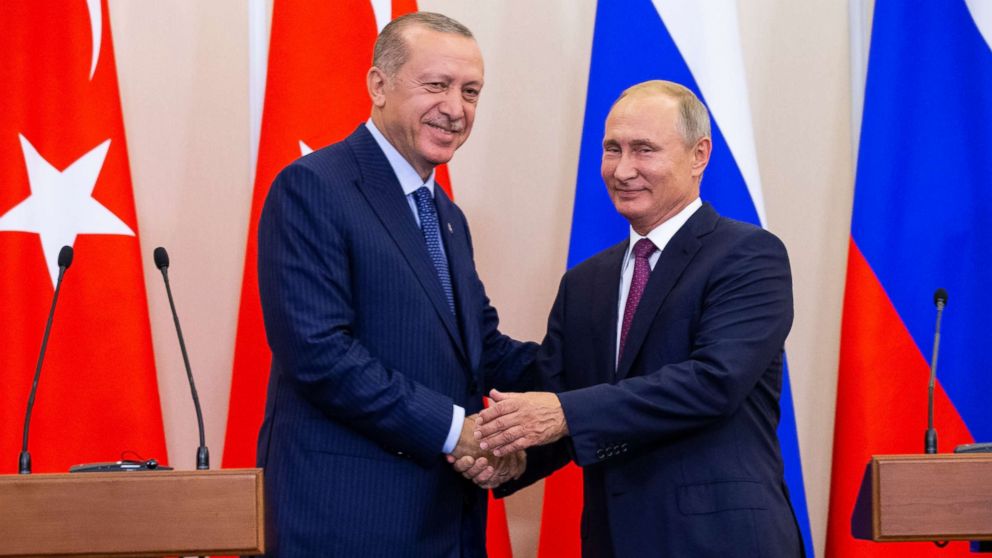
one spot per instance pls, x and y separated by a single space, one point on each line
391 51
694 120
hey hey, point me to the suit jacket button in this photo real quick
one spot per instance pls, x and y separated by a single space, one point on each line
473 388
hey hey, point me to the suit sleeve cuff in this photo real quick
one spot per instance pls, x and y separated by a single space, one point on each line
579 406
457 421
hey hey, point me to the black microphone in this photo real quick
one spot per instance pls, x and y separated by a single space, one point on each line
930 440
202 453
65 260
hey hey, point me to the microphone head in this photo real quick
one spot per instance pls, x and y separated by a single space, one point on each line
940 297
65 257
161 258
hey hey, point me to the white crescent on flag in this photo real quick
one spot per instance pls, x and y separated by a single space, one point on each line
96 31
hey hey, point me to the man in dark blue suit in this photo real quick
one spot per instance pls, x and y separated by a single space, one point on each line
382 336
664 356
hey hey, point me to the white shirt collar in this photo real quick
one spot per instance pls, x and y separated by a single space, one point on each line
404 171
663 233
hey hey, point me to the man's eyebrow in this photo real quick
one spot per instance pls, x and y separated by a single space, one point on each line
640 142
637 142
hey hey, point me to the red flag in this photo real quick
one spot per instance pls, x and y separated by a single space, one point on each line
64 180
319 53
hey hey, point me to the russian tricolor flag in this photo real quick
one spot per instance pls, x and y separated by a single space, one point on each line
922 208
696 44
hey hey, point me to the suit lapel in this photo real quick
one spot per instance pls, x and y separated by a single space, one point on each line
671 264
604 311
384 194
460 263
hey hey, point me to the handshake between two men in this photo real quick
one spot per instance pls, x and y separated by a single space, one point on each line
491 449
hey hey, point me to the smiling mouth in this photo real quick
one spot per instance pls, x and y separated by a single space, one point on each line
439 127
446 130
628 192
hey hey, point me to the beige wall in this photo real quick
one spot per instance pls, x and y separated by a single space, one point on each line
798 67
183 68
183 71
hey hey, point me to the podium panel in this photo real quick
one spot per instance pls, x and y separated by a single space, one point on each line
140 513
941 497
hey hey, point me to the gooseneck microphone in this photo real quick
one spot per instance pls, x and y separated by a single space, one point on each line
65 260
202 453
930 440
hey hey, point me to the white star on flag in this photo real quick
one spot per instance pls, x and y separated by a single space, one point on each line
61 205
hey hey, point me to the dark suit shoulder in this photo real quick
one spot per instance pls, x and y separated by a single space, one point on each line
334 163
609 257
733 233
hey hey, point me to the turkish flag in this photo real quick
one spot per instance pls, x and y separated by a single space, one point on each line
64 180
315 95
319 53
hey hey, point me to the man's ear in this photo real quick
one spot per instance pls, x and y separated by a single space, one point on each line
701 156
376 83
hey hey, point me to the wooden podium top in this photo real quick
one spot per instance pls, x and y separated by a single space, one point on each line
135 513
939 497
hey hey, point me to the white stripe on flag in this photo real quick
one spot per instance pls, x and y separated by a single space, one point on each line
859 13
981 12
707 35
383 12
258 54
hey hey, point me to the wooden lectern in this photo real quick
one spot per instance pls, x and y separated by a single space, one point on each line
943 497
137 513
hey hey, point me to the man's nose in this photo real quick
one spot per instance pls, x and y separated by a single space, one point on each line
625 169
452 104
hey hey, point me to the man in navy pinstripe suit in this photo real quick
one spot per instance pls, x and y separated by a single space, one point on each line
382 336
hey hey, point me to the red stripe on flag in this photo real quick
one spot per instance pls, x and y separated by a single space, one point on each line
497 531
64 179
562 514
881 408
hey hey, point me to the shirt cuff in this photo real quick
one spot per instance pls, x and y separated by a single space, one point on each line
457 421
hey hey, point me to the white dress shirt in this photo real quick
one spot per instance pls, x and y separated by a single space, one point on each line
660 236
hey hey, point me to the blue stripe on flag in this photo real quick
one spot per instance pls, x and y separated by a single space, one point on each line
923 205
631 45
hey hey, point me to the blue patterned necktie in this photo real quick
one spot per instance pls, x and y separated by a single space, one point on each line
432 235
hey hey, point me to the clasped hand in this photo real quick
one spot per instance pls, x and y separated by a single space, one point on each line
513 423
517 421
481 467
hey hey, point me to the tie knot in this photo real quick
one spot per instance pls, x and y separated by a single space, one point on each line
644 248
422 195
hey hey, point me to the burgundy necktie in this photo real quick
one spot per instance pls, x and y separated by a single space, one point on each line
642 270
